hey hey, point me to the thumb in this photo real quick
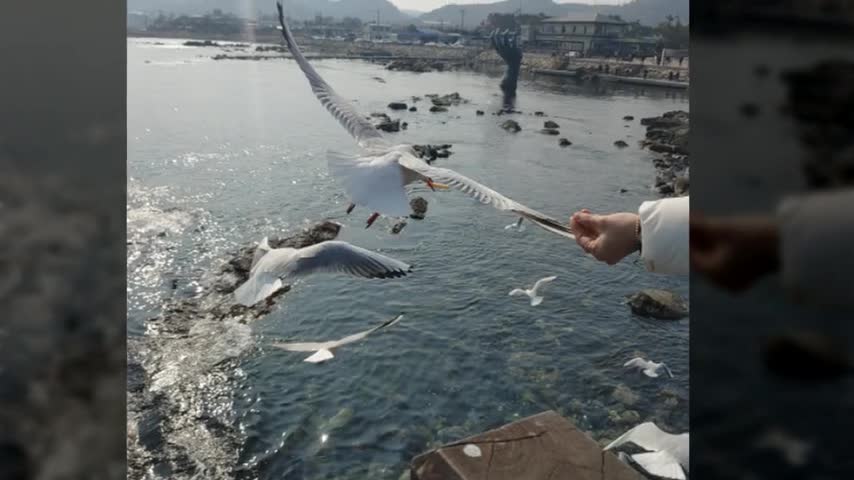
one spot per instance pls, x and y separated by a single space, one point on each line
587 243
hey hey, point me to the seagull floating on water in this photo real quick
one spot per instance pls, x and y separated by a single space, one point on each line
668 454
376 180
532 292
323 350
649 368
271 265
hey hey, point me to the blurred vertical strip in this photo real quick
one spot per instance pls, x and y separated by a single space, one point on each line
62 251
772 113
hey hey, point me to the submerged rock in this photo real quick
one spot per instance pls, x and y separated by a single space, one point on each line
397 106
419 208
479 112
539 114
438 109
624 395
564 142
660 304
511 126
620 144
431 152
628 118
550 131
413 109
550 124
451 99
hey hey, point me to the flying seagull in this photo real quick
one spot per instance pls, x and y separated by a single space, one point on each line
532 292
376 179
323 350
271 265
649 368
667 454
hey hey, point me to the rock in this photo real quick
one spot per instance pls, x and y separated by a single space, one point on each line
564 142
413 109
438 109
749 110
419 208
550 124
398 227
628 118
680 185
388 125
397 106
538 114
479 112
379 79
623 190
624 395
511 126
620 144
549 131
203 43
660 304
446 100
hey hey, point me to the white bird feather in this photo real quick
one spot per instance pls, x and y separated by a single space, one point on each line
533 292
668 455
649 368
323 350
271 265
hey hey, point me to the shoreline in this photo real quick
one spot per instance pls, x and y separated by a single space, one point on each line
423 58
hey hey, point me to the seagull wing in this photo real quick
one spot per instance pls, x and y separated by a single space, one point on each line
365 134
484 194
636 362
358 336
341 257
660 464
541 281
305 346
647 435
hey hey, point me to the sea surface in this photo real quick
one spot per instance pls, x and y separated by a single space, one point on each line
223 153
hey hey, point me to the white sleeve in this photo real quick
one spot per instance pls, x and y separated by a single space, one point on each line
664 235
816 252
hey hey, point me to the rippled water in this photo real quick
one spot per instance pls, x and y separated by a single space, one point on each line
222 153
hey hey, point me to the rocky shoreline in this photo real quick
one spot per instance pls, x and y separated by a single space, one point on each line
182 374
667 137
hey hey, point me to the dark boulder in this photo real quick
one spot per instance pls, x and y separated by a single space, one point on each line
660 304
550 124
397 106
620 144
564 142
511 126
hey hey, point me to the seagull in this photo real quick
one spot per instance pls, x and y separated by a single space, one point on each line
323 350
376 179
532 292
668 453
649 368
271 265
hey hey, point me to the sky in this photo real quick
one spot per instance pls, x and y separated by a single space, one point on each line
427 5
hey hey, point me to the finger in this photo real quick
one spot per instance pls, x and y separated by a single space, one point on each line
587 243
589 221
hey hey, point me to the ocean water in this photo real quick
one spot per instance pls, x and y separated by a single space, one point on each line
223 153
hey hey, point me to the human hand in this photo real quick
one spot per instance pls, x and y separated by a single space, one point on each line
608 238
734 252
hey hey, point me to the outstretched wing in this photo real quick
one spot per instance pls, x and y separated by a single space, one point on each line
485 194
542 281
636 362
660 464
365 134
358 336
341 257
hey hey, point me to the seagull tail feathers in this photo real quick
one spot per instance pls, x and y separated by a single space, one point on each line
257 288
536 300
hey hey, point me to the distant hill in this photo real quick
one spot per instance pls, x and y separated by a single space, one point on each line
648 12
297 9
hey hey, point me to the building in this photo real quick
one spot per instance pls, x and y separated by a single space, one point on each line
588 35
378 31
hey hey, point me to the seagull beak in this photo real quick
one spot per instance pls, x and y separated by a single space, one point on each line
433 185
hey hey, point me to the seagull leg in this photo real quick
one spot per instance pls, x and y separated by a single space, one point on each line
350 208
372 219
